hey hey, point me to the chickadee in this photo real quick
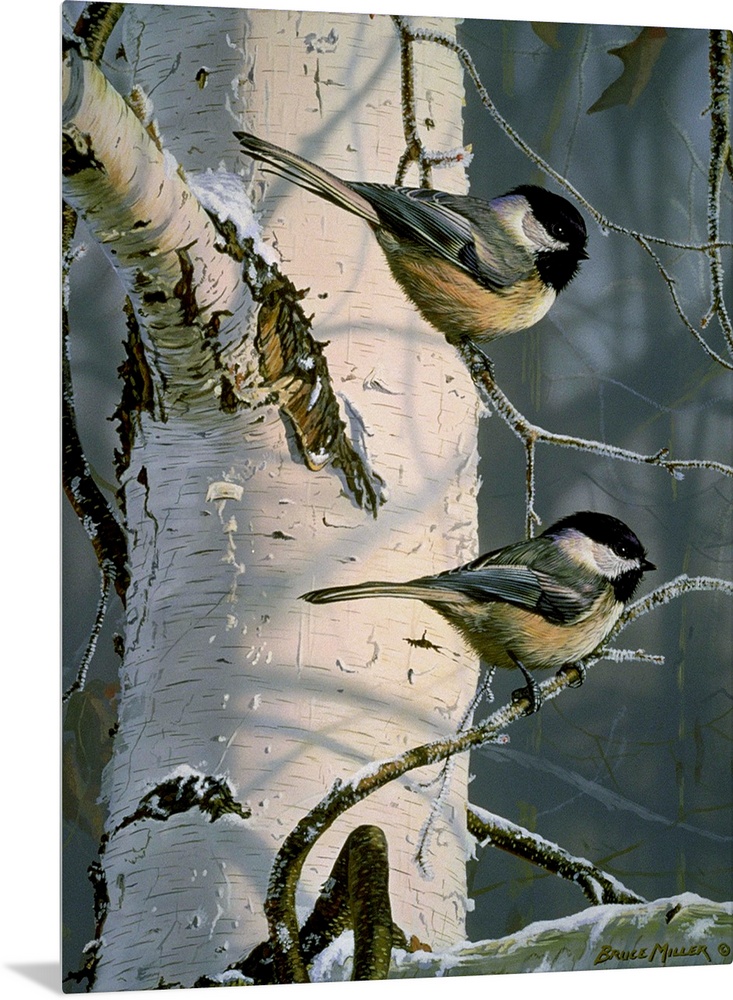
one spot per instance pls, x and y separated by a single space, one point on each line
536 604
474 269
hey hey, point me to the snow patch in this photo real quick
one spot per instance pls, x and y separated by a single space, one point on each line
223 194
334 963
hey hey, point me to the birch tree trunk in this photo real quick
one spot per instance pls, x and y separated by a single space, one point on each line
227 677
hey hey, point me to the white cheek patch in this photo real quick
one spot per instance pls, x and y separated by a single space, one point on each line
610 564
594 556
538 235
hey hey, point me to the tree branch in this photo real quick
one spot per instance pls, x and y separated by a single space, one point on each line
156 234
355 895
598 886
197 279
95 25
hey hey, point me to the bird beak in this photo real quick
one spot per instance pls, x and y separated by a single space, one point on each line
646 565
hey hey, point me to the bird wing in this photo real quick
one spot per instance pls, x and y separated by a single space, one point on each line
521 586
463 230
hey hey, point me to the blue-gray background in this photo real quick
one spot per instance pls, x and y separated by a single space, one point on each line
633 771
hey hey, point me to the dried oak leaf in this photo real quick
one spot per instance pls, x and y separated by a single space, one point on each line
639 58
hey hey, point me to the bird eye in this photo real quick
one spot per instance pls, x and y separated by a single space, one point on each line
558 231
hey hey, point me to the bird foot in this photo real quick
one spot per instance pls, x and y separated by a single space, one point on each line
531 692
576 668
477 362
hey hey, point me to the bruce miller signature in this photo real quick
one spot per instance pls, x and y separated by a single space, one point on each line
659 953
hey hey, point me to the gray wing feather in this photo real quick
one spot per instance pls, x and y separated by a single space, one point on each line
526 588
463 230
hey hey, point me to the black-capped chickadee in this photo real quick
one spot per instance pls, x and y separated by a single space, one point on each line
536 604
474 269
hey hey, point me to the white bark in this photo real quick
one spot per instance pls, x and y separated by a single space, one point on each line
226 673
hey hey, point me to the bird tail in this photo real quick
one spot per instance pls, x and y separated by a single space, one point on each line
416 590
307 175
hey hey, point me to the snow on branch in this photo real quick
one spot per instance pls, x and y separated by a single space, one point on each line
184 791
598 886
670 932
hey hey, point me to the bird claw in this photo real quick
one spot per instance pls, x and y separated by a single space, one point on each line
531 692
475 359
579 669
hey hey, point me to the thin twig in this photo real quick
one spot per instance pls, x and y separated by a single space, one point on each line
107 573
414 149
672 288
682 584
531 434
443 779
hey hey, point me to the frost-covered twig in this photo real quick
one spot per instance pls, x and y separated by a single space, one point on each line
643 241
598 886
531 434
682 584
721 57
107 576
415 151
443 779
